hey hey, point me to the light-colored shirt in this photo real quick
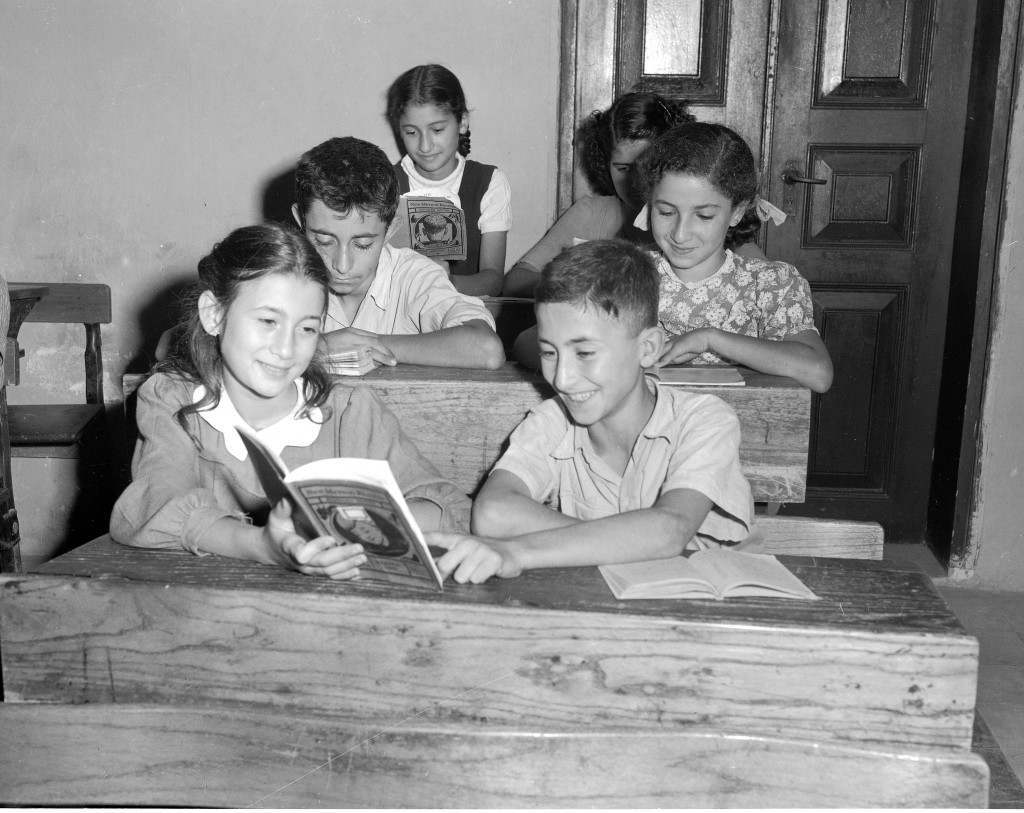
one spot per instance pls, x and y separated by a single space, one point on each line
764 299
185 481
495 205
409 294
690 441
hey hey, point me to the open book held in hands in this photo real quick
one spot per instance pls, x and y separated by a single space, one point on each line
717 573
435 227
350 498
699 375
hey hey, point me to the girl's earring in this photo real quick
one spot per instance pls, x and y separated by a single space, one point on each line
464 143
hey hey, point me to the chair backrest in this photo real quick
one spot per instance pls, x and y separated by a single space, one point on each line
86 303
69 302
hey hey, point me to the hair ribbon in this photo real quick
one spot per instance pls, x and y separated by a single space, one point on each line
767 211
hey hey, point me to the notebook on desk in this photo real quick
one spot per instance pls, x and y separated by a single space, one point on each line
699 375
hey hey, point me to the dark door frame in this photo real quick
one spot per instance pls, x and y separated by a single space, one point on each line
956 468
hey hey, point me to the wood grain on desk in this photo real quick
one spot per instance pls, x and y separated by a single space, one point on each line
460 420
878 661
237 757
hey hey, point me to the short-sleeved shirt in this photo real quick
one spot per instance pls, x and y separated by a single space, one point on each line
495 205
764 299
409 294
690 441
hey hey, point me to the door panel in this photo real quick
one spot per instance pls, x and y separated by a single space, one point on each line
861 327
711 53
872 234
678 48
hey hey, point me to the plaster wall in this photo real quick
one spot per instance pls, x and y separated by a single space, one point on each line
136 134
997 527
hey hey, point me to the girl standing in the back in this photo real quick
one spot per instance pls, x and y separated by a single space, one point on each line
427 110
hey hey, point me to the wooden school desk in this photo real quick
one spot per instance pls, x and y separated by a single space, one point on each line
460 420
160 678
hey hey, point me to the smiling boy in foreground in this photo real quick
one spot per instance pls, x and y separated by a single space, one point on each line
614 468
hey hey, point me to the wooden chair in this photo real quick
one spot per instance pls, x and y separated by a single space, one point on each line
10 536
57 430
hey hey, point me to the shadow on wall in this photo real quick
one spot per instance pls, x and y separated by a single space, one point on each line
278 197
160 314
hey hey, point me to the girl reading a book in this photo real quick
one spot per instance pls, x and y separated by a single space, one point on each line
249 356
717 305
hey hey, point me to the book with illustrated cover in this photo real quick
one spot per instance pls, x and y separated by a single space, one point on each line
435 227
349 362
699 375
716 573
352 499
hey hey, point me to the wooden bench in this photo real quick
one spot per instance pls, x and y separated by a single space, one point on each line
57 430
158 677
461 420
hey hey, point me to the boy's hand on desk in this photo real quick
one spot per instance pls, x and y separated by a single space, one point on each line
352 338
685 347
322 556
473 559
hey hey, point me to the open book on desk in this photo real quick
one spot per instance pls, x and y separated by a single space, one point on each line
699 375
352 499
717 573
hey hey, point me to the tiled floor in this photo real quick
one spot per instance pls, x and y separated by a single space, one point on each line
996 619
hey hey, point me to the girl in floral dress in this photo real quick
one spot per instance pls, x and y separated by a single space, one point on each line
715 305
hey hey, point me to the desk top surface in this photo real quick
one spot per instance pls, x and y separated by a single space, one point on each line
511 373
873 596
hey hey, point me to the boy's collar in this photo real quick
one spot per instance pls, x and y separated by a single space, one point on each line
658 425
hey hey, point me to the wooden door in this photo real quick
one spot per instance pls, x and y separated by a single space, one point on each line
869 111
709 52
868 96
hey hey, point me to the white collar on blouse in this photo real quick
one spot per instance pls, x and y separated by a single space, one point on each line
292 430
448 186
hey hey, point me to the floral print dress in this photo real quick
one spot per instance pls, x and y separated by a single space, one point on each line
765 299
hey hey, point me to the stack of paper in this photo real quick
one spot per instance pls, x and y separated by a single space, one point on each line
350 362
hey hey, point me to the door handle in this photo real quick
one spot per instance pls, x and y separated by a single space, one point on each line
791 176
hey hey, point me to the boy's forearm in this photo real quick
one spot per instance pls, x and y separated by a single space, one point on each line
649 533
508 514
472 344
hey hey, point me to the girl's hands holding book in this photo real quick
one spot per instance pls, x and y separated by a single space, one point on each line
322 556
